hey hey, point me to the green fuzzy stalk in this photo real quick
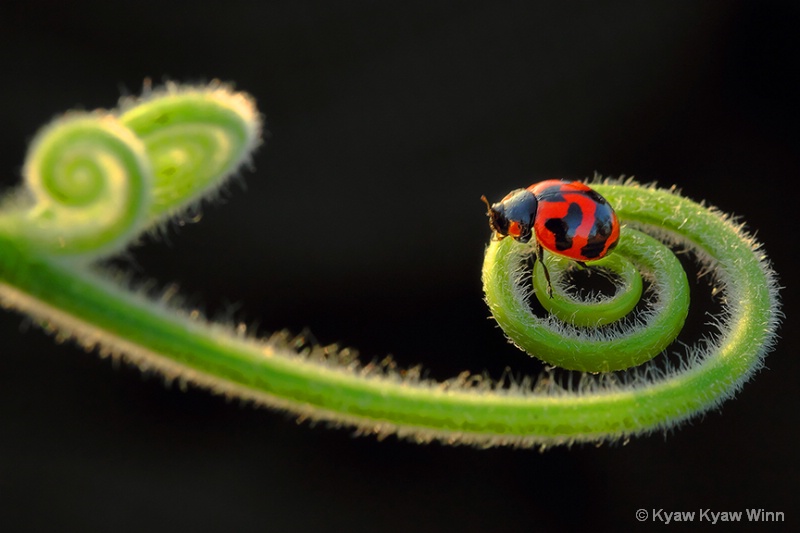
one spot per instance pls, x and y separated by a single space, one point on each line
185 142
595 312
194 139
88 186
588 348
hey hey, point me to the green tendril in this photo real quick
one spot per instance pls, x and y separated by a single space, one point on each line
597 311
96 181
192 138
570 337
88 187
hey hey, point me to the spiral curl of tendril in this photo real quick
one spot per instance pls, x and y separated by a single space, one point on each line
192 138
571 336
88 186
181 143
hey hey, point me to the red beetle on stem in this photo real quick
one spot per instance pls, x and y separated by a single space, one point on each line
567 218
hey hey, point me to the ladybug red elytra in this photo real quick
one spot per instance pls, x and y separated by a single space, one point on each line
568 218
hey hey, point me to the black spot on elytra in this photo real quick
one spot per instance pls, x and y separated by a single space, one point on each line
564 228
593 248
554 193
597 239
594 195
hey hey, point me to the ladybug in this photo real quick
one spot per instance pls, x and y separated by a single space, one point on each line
567 218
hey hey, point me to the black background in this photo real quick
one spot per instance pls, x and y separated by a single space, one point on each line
361 221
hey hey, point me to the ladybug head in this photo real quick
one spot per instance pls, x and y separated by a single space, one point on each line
513 215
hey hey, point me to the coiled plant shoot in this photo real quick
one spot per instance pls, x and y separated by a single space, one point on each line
95 181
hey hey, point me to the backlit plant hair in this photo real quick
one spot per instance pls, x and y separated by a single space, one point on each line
93 182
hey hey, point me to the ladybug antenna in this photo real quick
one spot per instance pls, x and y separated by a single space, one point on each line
493 215
488 205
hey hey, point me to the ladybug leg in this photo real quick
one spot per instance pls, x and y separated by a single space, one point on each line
540 258
582 264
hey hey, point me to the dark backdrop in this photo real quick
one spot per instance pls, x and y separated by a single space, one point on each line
361 222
